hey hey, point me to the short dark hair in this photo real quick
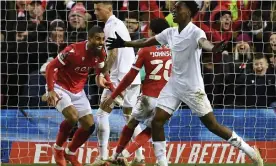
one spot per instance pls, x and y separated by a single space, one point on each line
104 2
259 56
95 29
132 15
158 25
193 6
257 14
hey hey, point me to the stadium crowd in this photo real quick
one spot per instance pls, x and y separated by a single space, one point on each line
243 76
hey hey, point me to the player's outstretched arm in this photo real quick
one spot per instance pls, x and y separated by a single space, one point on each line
126 81
119 42
208 46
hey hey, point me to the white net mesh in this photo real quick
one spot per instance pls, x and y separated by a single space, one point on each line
240 83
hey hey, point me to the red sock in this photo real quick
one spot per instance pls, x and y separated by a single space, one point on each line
139 140
63 133
124 139
80 137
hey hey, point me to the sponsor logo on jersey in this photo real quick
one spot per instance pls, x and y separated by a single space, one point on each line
83 69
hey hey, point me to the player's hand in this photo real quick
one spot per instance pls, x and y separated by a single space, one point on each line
102 82
44 98
53 98
115 43
219 47
107 102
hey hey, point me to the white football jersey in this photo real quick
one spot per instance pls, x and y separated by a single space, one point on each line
125 56
186 71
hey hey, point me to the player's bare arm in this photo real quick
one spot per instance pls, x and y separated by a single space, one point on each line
208 46
119 42
101 78
110 60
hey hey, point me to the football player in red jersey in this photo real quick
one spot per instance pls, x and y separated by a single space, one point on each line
157 62
65 92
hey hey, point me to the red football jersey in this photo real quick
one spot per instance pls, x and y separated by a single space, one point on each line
157 62
77 62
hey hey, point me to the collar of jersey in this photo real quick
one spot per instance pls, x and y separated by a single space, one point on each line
110 19
184 31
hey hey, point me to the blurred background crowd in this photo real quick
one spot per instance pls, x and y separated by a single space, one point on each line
243 76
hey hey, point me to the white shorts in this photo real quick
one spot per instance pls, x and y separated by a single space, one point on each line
169 100
130 96
79 101
144 109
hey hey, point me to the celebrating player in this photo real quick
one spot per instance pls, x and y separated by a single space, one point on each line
186 83
157 63
65 92
119 62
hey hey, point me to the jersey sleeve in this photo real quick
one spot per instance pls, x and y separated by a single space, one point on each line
162 37
139 62
200 34
66 55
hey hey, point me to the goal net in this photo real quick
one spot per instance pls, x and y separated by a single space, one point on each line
240 82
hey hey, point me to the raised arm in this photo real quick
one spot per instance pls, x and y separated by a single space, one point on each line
119 42
208 46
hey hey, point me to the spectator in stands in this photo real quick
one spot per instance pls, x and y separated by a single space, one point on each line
271 52
240 9
169 6
256 90
220 25
35 88
55 42
77 23
260 29
148 10
235 64
132 24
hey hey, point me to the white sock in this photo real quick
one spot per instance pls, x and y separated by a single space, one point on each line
139 152
160 152
103 133
58 147
125 153
238 142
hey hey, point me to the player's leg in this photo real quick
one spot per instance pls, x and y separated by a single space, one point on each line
142 112
86 128
130 100
168 102
103 130
70 113
125 137
199 103
209 120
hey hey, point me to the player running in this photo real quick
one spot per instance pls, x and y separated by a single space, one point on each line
119 62
186 83
65 92
157 62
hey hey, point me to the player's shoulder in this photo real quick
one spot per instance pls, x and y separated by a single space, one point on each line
195 28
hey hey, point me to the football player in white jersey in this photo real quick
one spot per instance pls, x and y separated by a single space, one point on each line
119 62
185 84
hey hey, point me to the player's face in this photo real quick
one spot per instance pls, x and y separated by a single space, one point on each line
180 12
260 66
272 41
97 41
102 11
